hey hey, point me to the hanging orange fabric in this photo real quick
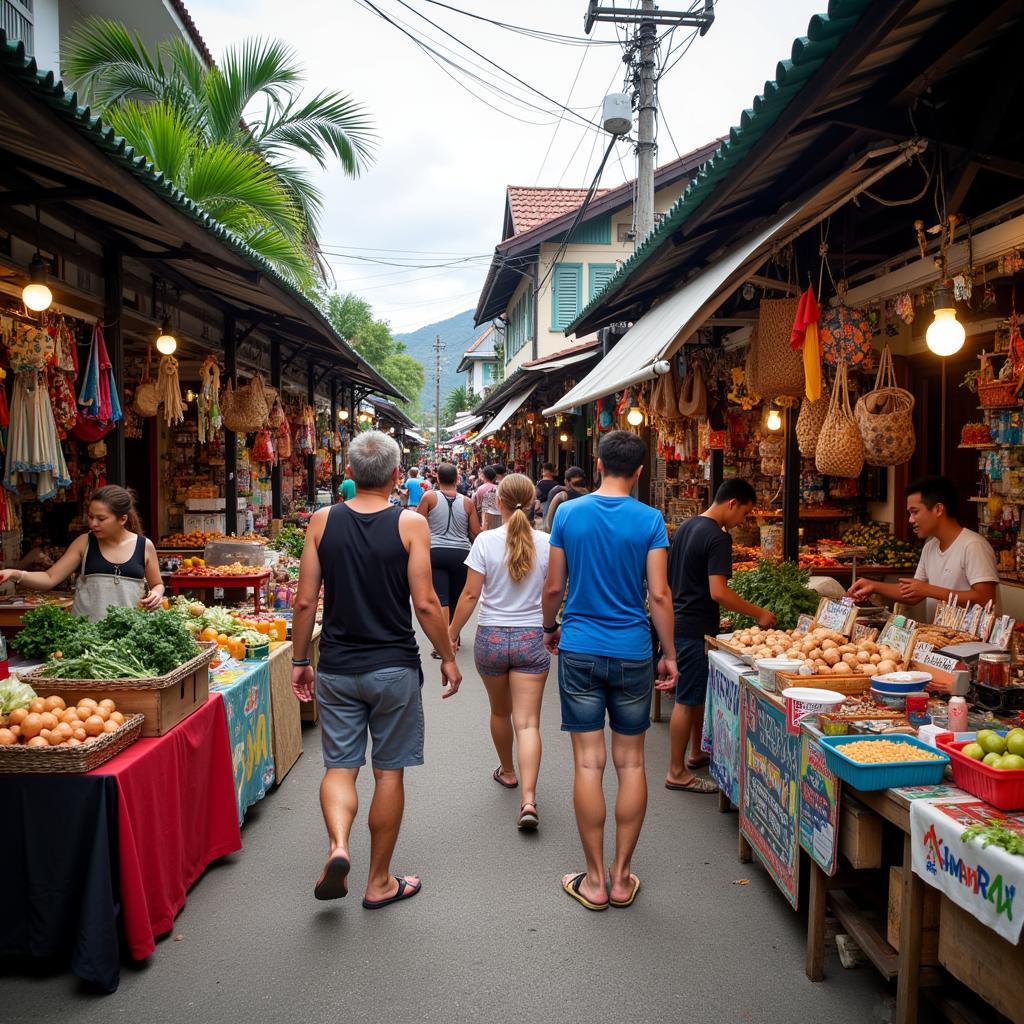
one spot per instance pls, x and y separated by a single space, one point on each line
805 336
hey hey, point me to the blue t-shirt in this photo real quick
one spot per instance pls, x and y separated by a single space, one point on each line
414 485
606 541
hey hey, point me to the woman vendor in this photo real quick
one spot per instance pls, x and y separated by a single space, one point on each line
119 566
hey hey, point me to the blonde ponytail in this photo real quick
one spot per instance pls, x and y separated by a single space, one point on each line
516 493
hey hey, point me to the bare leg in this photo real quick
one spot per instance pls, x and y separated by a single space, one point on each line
385 820
500 696
630 808
527 694
590 757
679 732
339 803
696 734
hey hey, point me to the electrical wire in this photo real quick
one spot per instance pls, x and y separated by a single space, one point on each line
561 117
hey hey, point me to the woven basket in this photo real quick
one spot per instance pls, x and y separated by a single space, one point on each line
885 417
65 760
840 447
156 683
809 424
247 409
776 369
1000 394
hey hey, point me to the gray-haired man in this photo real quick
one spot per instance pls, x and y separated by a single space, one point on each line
371 558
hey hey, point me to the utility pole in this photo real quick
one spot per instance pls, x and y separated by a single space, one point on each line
645 94
438 346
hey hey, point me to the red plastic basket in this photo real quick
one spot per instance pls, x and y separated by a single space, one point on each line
1002 789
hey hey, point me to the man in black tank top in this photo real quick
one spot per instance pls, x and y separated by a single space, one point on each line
374 563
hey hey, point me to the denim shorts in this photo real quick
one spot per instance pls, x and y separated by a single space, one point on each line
692 661
386 703
591 685
498 650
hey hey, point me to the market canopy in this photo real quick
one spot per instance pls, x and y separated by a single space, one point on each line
660 332
508 410
462 426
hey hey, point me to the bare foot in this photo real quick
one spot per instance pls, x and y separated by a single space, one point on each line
374 893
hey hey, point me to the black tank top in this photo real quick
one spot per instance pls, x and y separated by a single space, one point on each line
97 565
367 611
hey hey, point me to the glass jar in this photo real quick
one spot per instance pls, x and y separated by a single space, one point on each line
994 669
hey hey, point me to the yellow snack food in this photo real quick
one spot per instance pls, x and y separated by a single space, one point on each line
885 752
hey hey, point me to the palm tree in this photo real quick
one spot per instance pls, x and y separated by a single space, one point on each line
203 128
459 400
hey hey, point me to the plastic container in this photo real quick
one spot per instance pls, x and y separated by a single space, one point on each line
895 701
768 667
994 669
957 714
870 777
227 552
1002 789
803 702
901 682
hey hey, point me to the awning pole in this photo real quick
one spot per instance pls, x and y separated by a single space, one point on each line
275 469
791 489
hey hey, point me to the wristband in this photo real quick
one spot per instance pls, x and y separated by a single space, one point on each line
552 629
300 662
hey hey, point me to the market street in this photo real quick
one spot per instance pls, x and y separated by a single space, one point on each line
492 937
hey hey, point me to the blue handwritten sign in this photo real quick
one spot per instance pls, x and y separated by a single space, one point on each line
819 806
770 789
721 737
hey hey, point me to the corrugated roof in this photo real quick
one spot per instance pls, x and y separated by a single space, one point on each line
530 206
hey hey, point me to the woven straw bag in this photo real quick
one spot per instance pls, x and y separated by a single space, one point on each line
885 417
775 367
693 395
245 410
146 402
840 447
809 424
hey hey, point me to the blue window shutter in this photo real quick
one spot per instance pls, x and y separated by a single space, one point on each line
566 294
600 274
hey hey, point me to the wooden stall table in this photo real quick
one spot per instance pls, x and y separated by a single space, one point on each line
12 610
257 580
285 712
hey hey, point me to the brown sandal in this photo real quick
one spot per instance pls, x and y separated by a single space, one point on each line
528 820
695 785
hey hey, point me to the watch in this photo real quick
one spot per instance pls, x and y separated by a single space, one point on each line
552 629
300 662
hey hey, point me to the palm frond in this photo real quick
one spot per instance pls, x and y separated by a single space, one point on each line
305 194
291 260
108 64
162 133
187 67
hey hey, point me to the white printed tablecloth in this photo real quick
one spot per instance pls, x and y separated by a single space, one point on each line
987 883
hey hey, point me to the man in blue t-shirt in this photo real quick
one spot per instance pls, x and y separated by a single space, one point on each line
412 488
608 545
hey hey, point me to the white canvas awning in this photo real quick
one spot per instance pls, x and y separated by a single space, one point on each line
460 426
508 410
411 435
661 331
558 364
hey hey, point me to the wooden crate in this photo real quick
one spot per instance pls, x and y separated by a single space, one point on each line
860 834
163 709
930 921
849 686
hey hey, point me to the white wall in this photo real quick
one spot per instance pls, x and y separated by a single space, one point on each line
46 15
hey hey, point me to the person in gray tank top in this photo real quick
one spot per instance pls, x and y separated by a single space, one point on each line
454 524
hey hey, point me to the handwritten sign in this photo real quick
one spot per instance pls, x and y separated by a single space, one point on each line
924 654
837 615
819 806
862 631
804 623
897 636
770 789
721 738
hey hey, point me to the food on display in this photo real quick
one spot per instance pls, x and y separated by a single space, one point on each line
214 571
1006 753
781 587
51 722
886 752
939 636
221 626
881 546
291 540
821 651
996 833
199 539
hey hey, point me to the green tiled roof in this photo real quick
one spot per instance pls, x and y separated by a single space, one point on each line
45 86
824 35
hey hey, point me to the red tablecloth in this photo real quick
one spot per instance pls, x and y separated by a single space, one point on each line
177 814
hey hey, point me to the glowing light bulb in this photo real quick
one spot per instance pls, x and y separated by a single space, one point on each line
166 343
945 335
634 417
343 414
563 437
774 419
36 294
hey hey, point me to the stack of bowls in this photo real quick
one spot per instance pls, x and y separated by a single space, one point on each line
892 688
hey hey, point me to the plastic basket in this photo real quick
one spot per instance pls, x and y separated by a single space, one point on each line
804 702
1002 789
869 777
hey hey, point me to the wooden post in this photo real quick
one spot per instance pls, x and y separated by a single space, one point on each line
717 471
275 469
791 489
911 922
724 803
815 966
744 852
113 299
311 459
335 478
230 440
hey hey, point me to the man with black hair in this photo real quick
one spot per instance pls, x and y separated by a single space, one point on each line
954 560
699 569
545 485
575 487
610 548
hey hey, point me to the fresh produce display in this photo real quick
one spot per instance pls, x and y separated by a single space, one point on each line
198 539
225 628
780 587
190 568
49 722
882 547
886 752
939 636
291 540
126 643
1006 753
996 833
818 562
822 651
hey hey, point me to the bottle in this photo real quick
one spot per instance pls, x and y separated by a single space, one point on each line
957 714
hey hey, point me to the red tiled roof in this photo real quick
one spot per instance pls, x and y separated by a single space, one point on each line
193 31
476 344
584 346
531 207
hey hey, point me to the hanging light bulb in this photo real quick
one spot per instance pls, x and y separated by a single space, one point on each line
774 419
343 415
563 437
190 395
36 294
945 335
634 417
166 343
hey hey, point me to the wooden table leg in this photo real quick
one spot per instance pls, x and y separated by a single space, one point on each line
911 921
743 850
815 966
256 598
724 803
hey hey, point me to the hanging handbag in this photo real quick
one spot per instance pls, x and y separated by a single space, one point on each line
693 396
665 396
146 402
885 417
245 410
775 368
809 424
840 448
845 335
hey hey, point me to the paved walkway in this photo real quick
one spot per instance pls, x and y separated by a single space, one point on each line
491 938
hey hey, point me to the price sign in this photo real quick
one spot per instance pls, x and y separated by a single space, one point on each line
836 615
804 623
862 631
897 637
924 654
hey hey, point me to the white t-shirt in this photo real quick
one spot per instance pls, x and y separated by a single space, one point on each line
503 601
968 560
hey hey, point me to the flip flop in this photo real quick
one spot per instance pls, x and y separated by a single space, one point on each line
632 895
528 820
696 785
573 889
496 775
333 882
405 892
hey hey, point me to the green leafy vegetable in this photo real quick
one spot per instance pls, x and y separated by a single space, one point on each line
780 587
996 834
291 540
15 694
44 630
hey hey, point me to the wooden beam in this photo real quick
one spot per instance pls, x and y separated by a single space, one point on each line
40 195
230 440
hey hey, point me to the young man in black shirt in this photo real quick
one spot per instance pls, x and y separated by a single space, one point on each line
699 569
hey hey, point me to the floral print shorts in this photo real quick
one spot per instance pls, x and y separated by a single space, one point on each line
499 650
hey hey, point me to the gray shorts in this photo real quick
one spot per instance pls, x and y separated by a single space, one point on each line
387 702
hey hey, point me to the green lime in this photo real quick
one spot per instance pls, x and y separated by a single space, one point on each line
1011 762
992 743
992 759
1015 743
975 751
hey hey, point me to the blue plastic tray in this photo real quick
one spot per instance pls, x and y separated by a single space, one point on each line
869 777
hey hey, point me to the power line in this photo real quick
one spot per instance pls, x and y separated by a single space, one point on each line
568 100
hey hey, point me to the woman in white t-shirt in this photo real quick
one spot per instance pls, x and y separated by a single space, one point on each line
507 568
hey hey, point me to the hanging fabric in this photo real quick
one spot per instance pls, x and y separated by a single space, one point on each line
169 391
61 375
34 454
5 413
99 405
209 399
805 336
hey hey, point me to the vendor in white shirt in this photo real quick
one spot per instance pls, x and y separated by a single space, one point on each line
954 560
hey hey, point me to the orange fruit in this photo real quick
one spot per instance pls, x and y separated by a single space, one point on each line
208 635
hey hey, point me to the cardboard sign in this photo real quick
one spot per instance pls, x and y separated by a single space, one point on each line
897 637
837 615
819 806
862 631
770 789
804 623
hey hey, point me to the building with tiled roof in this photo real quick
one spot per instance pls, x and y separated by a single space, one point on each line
530 206
480 362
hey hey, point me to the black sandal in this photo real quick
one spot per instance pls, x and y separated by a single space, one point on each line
528 820
496 775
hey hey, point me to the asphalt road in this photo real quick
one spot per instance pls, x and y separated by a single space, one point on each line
491 938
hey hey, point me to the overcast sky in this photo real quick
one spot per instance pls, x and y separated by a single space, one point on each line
436 191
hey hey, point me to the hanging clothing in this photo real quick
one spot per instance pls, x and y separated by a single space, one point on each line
100 406
61 375
34 453
805 336
103 584
31 348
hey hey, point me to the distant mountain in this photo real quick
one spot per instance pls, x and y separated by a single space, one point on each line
457 333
